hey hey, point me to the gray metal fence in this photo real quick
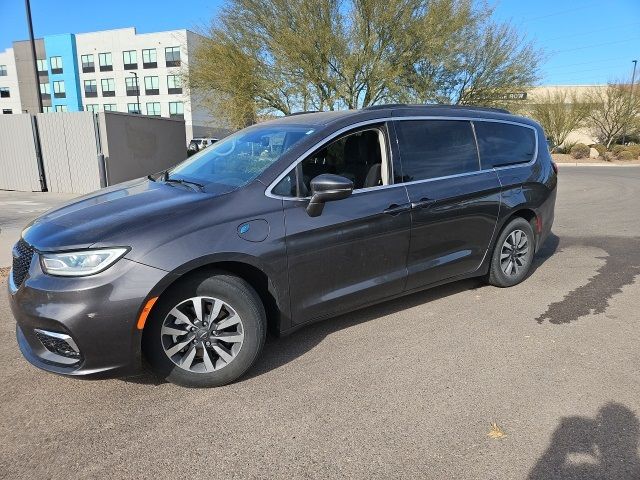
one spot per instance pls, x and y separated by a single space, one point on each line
18 161
69 151
72 144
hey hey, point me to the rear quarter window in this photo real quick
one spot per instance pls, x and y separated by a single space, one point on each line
502 144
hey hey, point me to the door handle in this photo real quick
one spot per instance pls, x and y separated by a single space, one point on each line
424 202
395 209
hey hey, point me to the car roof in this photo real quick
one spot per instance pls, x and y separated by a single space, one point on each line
399 110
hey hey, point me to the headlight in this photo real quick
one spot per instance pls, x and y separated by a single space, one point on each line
77 264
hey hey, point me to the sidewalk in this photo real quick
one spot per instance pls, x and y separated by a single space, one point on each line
17 209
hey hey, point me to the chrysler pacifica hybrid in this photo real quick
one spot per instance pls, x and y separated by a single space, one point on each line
283 223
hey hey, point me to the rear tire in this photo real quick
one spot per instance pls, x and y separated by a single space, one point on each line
513 254
206 331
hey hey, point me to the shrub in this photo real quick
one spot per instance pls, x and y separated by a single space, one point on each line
601 149
626 155
617 150
565 147
580 150
634 149
609 157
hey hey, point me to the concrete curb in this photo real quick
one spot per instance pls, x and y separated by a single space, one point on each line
572 164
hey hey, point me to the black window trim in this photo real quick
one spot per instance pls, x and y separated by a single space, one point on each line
326 140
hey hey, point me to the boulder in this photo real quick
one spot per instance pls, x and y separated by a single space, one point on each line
593 153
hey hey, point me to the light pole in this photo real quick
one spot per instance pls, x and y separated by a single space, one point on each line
33 54
139 110
633 81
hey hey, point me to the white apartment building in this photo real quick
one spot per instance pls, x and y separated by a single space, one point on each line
118 70
9 92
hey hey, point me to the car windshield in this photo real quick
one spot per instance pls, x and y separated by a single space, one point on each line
236 160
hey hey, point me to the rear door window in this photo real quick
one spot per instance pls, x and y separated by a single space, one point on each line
436 148
502 144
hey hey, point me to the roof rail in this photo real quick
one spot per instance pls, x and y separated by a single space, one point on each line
473 107
301 113
436 105
386 105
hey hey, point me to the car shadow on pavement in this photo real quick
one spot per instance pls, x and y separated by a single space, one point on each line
279 351
604 447
548 248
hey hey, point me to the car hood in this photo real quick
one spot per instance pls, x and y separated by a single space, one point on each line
114 213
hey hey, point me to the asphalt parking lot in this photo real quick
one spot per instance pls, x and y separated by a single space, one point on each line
405 389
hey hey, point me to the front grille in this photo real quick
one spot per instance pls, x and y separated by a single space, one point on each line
22 256
58 343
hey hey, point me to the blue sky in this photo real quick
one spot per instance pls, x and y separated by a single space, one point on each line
586 42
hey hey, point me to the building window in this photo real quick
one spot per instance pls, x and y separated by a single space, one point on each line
92 107
58 89
61 108
133 108
42 66
176 109
56 64
3 70
90 88
132 86
153 109
108 87
174 84
7 111
45 90
4 92
149 58
151 86
47 109
172 56
130 59
87 63
109 107
104 59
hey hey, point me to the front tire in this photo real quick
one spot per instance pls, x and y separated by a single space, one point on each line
205 331
513 254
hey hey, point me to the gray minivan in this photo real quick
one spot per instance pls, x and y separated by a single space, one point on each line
282 224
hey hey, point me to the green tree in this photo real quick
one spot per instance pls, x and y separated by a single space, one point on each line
615 111
262 57
560 113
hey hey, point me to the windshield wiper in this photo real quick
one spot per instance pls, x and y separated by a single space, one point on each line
166 179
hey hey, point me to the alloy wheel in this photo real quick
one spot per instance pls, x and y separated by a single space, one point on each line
202 334
513 254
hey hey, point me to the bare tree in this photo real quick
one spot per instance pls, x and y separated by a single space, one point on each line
560 113
280 56
614 111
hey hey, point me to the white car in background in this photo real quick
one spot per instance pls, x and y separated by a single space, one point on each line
197 144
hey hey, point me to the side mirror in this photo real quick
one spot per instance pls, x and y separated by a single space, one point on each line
327 188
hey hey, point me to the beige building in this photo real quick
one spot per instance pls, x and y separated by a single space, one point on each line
580 92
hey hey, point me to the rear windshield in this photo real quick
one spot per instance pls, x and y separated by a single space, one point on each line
236 160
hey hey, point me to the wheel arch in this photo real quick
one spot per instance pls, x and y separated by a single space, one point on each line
526 212
244 267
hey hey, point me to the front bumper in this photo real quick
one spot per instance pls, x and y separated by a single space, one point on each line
84 325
